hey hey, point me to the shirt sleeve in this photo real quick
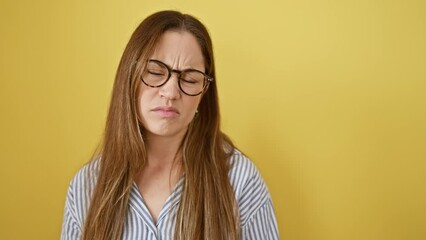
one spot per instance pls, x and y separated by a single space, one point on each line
262 224
71 229
257 216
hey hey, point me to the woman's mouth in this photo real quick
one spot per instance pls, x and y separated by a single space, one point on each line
165 111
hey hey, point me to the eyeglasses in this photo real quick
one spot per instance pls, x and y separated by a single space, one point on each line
192 82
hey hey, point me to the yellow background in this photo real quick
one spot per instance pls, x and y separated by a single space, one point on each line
327 97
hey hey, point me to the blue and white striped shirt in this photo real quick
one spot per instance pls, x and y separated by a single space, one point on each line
257 218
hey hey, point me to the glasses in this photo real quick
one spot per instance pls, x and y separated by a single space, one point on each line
192 82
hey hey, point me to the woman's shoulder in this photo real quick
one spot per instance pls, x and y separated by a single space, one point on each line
244 174
242 168
86 176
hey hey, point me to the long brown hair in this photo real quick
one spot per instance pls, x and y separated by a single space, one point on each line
207 208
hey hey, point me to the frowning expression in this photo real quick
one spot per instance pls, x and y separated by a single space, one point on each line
166 110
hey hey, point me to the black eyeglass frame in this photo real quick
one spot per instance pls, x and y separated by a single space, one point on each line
207 78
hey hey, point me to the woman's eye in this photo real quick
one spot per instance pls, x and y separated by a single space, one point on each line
188 81
156 73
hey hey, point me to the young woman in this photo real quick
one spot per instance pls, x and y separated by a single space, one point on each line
165 169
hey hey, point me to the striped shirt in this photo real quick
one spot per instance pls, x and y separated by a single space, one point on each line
257 218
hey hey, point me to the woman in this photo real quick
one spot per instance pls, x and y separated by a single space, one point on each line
165 170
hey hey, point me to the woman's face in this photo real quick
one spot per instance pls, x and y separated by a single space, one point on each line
166 110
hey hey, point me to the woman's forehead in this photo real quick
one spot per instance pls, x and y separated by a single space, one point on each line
179 49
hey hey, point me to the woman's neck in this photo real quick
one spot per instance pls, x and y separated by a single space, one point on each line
164 161
163 150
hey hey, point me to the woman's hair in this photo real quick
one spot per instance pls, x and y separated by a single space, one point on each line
207 208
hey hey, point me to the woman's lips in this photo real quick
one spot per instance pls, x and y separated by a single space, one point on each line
166 111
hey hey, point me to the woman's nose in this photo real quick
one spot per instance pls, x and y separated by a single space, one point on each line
171 89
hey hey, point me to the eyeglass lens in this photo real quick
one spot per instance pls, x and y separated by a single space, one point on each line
191 81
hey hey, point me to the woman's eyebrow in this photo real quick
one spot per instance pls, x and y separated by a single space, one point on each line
187 67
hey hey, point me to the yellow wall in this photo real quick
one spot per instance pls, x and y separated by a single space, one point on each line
327 97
